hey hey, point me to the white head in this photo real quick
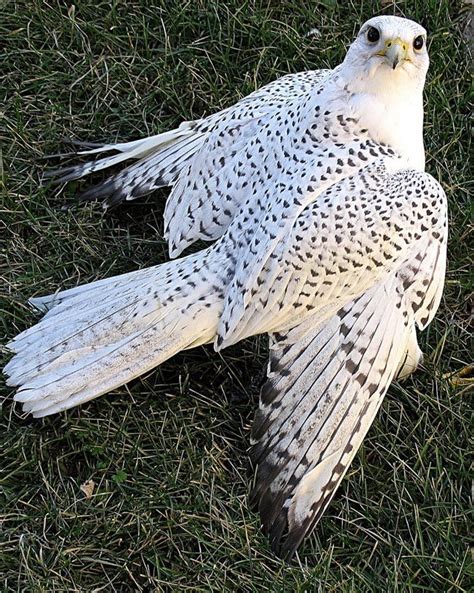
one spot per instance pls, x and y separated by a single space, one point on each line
389 50
384 71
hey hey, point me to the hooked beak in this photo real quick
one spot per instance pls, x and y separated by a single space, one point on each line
395 52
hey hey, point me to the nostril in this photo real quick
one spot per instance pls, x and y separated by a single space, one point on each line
389 44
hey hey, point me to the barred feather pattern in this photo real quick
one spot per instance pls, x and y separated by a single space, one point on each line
328 235
321 397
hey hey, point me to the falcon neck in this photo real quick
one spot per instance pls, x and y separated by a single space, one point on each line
390 106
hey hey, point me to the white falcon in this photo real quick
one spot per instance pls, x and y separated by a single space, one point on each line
329 236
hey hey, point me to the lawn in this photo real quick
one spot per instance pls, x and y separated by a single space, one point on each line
168 453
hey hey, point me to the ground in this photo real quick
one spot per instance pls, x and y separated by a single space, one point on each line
167 453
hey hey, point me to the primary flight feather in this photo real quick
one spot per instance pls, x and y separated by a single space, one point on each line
329 236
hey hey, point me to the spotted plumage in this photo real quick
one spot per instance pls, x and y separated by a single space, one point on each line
328 236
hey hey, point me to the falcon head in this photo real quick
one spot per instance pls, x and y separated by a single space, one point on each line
388 49
384 73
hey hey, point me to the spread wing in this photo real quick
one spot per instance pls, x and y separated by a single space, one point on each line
358 297
322 394
194 159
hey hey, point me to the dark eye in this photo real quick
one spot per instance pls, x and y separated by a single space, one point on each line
418 42
373 34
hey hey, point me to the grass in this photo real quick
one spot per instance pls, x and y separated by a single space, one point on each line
167 453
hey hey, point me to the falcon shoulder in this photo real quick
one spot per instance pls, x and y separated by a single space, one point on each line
357 232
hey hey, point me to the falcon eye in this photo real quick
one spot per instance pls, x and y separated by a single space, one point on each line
373 34
418 42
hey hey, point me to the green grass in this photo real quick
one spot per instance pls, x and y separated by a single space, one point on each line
168 452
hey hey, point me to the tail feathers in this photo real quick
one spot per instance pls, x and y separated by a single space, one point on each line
76 306
50 303
98 326
160 159
97 337
89 372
